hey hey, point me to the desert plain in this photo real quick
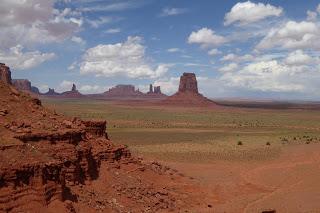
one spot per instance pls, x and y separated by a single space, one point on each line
248 159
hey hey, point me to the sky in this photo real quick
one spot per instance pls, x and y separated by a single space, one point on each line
237 49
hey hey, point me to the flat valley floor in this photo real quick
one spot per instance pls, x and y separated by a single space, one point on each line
250 160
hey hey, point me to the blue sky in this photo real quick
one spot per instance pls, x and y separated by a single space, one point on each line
248 49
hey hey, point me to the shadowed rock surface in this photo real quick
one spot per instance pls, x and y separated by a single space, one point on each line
51 92
22 84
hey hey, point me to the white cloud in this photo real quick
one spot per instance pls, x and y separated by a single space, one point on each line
17 59
267 76
78 40
96 23
249 12
31 22
237 58
121 59
174 50
113 30
298 57
292 35
318 8
311 16
43 88
229 67
172 11
214 52
168 85
92 89
112 7
206 38
65 86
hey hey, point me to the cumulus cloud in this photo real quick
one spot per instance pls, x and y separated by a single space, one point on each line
318 8
78 40
19 60
229 67
267 76
121 59
214 52
206 38
292 35
311 16
35 22
298 57
172 11
237 58
249 12
168 85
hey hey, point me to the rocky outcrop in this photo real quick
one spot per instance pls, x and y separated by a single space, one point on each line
35 90
123 91
51 92
74 88
73 93
188 83
5 74
155 92
22 84
49 160
188 93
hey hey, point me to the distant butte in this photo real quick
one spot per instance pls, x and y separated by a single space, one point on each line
188 93
74 93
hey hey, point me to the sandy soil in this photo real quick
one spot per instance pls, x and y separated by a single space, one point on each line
289 183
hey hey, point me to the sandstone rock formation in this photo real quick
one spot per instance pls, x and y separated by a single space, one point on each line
155 92
48 163
188 83
5 74
74 93
25 86
51 92
123 91
35 90
22 84
188 93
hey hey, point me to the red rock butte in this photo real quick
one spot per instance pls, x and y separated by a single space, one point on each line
188 93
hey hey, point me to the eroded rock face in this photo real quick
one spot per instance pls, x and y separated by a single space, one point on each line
35 90
123 91
188 83
188 94
74 88
5 74
48 159
51 92
157 90
22 84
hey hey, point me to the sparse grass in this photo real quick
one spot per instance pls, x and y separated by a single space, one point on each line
193 134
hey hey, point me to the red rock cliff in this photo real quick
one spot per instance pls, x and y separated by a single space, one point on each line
5 74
